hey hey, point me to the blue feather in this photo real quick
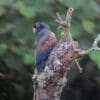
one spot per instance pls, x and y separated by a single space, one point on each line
40 64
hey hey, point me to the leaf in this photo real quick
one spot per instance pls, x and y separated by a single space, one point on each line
28 59
76 30
42 6
26 11
3 49
95 5
86 13
14 62
6 27
95 56
19 52
2 11
74 3
84 43
6 2
88 26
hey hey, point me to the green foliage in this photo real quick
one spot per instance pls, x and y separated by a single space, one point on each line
6 2
76 30
3 49
17 40
27 11
88 26
95 56
74 3
28 59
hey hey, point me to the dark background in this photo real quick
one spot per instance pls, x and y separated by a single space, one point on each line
17 53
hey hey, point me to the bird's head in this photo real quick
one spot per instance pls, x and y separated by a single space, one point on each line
37 27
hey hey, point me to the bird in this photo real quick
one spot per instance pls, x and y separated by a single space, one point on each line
44 44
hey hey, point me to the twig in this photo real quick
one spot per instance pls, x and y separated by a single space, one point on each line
95 44
94 47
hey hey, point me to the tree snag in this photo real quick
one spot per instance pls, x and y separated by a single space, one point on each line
49 83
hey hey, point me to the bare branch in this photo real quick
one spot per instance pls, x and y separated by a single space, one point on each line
59 17
68 16
65 22
94 47
95 44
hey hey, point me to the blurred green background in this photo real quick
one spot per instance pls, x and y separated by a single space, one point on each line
17 40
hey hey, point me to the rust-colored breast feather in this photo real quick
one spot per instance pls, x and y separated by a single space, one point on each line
49 43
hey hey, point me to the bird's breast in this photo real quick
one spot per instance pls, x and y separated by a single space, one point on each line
49 43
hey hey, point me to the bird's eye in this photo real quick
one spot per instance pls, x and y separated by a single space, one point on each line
34 26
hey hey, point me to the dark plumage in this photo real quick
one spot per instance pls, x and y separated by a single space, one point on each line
44 44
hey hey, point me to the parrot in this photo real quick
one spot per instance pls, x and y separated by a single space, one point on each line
44 44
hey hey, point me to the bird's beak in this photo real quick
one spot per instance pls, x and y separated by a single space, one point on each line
34 29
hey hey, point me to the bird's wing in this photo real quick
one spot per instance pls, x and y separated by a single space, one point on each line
43 50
